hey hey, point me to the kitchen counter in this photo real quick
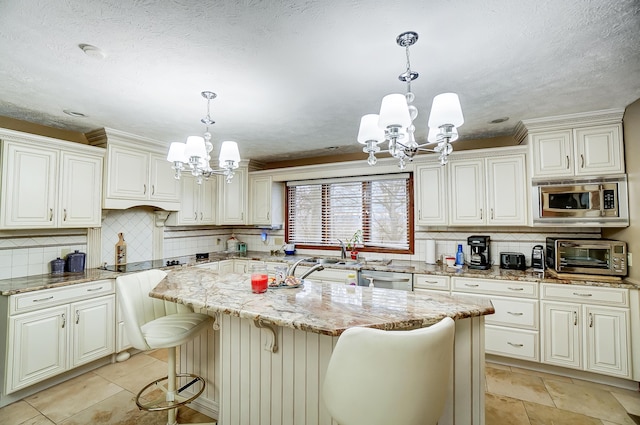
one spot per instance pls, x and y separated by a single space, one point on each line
323 308
34 283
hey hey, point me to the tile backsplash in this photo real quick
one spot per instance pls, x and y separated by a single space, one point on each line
137 226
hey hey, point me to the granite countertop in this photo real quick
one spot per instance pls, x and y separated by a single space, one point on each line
34 283
325 308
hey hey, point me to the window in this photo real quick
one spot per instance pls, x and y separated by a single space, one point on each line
322 211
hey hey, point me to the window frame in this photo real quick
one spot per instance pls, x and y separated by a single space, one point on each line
410 224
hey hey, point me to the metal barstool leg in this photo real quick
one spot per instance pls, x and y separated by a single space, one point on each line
171 386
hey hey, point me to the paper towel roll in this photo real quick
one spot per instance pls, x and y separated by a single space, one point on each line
431 251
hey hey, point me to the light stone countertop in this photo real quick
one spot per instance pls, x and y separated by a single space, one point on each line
324 308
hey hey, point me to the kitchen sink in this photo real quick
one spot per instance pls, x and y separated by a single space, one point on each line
335 261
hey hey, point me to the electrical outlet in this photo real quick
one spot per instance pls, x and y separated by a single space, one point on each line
629 259
218 241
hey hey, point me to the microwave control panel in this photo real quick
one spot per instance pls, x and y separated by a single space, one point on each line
609 199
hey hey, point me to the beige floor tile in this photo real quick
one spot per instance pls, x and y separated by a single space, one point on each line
161 354
588 400
597 385
70 397
38 420
135 373
543 375
121 409
17 413
630 400
517 385
501 410
545 415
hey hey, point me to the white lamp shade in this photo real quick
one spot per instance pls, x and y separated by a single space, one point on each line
433 134
369 129
446 110
229 152
176 152
394 111
195 147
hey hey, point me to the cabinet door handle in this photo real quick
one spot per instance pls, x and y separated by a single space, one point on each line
471 285
94 289
64 320
77 317
511 288
581 161
64 218
491 213
153 189
567 162
575 318
590 320
145 189
50 214
480 213
582 294
515 345
43 299
195 215
269 215
515 313
200 215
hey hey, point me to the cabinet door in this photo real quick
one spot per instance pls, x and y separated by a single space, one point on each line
80 190
37 346
208 200
29 186
240 266
607 341
93 329
190 191
225 266
260 200
561 336
430 195
552 153
507 191
599 150
233 198
164 186
466 182
127 177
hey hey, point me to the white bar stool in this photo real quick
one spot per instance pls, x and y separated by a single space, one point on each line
152 323
377 377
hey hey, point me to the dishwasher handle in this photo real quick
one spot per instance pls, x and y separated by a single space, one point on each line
386 279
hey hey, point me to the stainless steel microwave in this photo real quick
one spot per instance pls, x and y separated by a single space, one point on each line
600 202
587 256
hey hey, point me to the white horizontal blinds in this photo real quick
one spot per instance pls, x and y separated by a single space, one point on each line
323 211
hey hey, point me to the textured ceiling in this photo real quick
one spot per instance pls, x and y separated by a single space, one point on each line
293 78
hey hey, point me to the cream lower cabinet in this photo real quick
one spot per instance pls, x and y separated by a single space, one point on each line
489 191
55 330
326 275
198 202
431 284
586 328
225 266
513 331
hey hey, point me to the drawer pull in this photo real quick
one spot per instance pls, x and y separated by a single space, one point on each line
515 345
515 313
511 288
582 295
94 289
77 317
64 320
43 299
471 285
432 282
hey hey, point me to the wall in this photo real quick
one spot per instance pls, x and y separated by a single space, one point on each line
631 234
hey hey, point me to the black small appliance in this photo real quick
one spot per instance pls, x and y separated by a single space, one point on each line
537 258
512 261
480 252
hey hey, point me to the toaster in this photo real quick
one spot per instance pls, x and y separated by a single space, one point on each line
512 261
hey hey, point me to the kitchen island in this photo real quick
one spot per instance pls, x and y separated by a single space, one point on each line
265 361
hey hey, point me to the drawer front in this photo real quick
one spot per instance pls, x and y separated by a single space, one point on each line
517 343
618 297
508 288
426 281
514 312
51 297
326 275
209 266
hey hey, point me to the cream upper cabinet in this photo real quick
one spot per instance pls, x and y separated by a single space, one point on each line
266 201
49 187
574 145
198 202
164 185
430 195
232 206
489 191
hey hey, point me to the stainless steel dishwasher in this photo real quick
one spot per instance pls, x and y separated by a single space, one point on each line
389 280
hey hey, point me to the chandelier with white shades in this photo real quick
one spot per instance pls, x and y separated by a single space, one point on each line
394 125
194 155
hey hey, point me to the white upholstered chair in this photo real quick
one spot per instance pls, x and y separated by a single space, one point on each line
377 377
152 323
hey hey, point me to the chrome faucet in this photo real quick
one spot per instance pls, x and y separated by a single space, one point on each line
292 269
343 250
315 268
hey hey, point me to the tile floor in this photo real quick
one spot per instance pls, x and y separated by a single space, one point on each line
514 397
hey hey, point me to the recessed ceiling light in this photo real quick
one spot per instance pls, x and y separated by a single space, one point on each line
499 120
92 51
74 114
332 148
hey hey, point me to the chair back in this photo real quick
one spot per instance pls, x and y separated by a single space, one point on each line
390 377
138 308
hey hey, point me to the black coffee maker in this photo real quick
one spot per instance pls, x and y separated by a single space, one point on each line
480 252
